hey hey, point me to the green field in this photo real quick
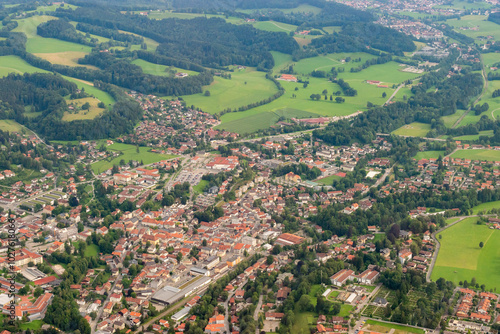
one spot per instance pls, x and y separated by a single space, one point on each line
248 124
429 155
32 325
89 88
464 4
38 44
488 133
91 250
9 64
483 154
129 153
12 126
274 26
161 70
479 22
383 327
245 87
450 120
328 180
414 129
486 207
460 257
345 310
200 187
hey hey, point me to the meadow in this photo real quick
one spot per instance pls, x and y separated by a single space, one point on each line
460 257
274 26
160 70
68 58
12 126
488 133
486 207
90 89
479 22
414 129
464 4
78 113
129 153
245 86
450 120
482 154
14 64
429 155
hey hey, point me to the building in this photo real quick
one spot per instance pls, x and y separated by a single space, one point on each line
287 239
342 277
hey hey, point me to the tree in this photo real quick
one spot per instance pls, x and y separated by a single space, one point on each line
73 201
86 106
207 93
384 94
339 99
270 260
179 257
481 244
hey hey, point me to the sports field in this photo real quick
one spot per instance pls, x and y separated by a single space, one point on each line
328 180
161 70
245 87
382 327
14 64
483 154
460 257
78 113
129 153
429 155
414 129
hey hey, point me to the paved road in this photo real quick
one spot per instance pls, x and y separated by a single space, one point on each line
256 313
226 307
393 94
101 309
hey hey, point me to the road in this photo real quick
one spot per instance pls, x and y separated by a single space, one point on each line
393 94
94 323
226 307
256 313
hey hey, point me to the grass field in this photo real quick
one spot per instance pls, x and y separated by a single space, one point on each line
89 88
38 44
274 26
332 29
78 113
12 126
486 207
200 187
328 180
244 87
450 120
129 153
32 325
429 155
68 58
248 124
464 4
482 26
345 310
488 133
483 154
91 250
161 70
382 327
10 64
414 129
460 257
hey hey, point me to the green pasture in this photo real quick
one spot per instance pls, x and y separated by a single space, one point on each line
332 29
274 26
488 133
414 129
299 9
161 70
326 62
429 155
486 207
389 73
200 187
460 257
281 61
479 22
450 120
464 4
10 64
89 88
129 153
245 87
481 154
91 250
12 126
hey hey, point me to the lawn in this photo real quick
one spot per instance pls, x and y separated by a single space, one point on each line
382 327
161 70
460 257
249 121
429 155
78 113
482 154
303 322
91 250
414 129
333 295
9 64
345 310
12 126
486 207
200 187
33 325
245 87
328 180
129 153
488 133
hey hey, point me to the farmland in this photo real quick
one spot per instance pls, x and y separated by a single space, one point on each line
14 64
460 257
90 89
161 70
488 133
414 129
475 26
68 58
245 87
486 207
128 152
12 126
482 154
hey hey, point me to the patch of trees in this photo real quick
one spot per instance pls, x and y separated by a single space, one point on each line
300 169
109 33
480 108
356 37
494 17
496 93
494 76
346 88
375 61
208 42
62 29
